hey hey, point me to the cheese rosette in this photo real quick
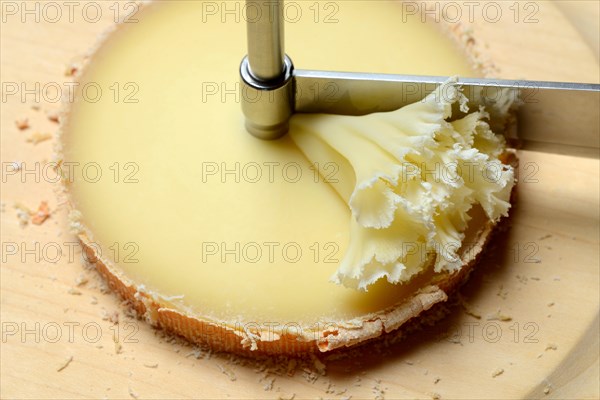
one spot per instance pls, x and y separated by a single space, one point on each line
409 177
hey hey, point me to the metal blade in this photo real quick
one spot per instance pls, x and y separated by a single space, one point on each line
552 116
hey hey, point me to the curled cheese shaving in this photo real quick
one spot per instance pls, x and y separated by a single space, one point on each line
409 177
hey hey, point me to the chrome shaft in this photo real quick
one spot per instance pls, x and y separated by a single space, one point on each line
265 39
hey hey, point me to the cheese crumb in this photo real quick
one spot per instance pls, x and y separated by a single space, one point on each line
42 214
468 308
498 316
22 123
23 214
38 137
53 116
71 69
226 371
318 364
133 394
118 345
65 364
81 280
551 346
291 367
269 385
547 390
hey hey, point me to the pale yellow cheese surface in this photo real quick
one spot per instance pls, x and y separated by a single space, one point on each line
201 210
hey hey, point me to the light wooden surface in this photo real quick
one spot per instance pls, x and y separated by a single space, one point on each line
543 274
